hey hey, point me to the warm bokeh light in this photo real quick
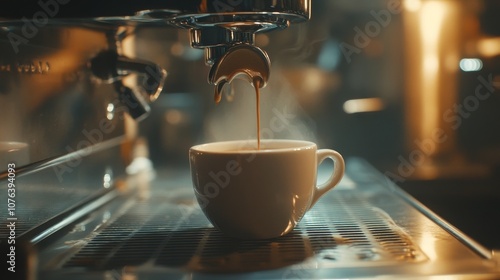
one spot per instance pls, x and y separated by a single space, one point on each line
471 64
174 117
431 16
262 40
433 52
489 47
363 105
412 5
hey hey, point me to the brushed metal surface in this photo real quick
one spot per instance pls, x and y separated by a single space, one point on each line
362 229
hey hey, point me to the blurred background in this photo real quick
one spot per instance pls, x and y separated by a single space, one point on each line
412 86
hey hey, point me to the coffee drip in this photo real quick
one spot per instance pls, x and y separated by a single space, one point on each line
256 84
242 61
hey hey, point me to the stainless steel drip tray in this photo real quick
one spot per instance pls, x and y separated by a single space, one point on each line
366 227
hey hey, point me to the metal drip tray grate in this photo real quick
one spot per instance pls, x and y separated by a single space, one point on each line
34 198
363 228
341 230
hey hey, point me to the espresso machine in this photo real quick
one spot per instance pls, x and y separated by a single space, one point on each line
100 103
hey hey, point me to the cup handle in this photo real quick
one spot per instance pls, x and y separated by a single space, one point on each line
337 174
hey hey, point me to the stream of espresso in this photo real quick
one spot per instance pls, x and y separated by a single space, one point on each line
256 84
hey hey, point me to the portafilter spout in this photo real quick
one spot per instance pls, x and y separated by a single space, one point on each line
246 61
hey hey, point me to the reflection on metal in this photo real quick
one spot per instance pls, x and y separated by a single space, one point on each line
363 105
244 61
110 111
139 164
107 180
13 152
53 200
428 243
49 98
218 26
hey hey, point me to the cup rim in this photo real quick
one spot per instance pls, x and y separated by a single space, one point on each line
296 145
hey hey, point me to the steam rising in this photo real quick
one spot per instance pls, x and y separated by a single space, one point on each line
281 114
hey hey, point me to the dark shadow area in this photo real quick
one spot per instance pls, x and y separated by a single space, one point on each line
200 250
473 206
215 252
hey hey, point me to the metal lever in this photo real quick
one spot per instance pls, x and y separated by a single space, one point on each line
111 67
137 106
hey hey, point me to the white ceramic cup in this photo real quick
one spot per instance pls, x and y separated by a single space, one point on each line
259 194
